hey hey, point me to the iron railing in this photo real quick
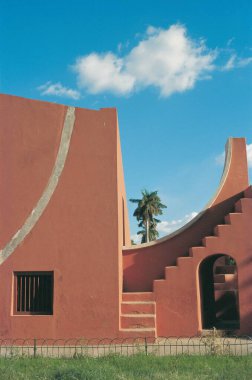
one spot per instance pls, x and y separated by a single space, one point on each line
205 345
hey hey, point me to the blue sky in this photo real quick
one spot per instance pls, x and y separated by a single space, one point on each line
179 74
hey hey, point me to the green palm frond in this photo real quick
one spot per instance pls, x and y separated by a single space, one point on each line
147 207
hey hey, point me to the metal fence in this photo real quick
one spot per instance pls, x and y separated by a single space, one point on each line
206 345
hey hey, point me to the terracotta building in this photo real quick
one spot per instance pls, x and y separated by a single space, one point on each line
66 265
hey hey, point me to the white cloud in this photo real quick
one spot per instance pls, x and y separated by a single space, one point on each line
220 159
230 63
57 89
136 238
235 62
242 62
166 227
165 58
99 73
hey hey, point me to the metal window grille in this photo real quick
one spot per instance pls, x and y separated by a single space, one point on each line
33 292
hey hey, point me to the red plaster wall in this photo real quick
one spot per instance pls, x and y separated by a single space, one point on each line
78 234
30 133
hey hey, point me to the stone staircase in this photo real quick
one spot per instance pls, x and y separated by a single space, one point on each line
138 309
208 241
138 314
225 294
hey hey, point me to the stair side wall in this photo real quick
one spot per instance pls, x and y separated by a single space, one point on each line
178 299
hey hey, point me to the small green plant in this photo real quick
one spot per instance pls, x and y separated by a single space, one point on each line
231 261
14 352
139 346
214 343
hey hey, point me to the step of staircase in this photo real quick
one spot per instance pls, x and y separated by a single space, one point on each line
138 318
184 261
208 241
133 334
238 205
220 278
225 286
170 272
197 251
248 192
233 217
138 296
138 307
222 229
219 294
136 321
225 269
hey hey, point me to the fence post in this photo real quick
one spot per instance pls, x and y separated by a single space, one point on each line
34 347
146 346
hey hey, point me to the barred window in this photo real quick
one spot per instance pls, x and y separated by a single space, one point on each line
33 292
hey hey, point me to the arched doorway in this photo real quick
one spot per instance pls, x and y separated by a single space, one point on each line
218 279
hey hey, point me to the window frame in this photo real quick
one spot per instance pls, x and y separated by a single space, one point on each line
15 298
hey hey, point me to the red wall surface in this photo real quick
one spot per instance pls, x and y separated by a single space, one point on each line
78 236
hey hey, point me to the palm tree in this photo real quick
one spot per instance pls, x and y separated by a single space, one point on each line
153 233
149 206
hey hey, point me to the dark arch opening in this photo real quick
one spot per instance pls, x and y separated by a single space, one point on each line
218 280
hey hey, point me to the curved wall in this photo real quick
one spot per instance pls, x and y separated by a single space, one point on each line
143 264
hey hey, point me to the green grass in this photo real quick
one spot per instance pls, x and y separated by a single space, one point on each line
128 368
